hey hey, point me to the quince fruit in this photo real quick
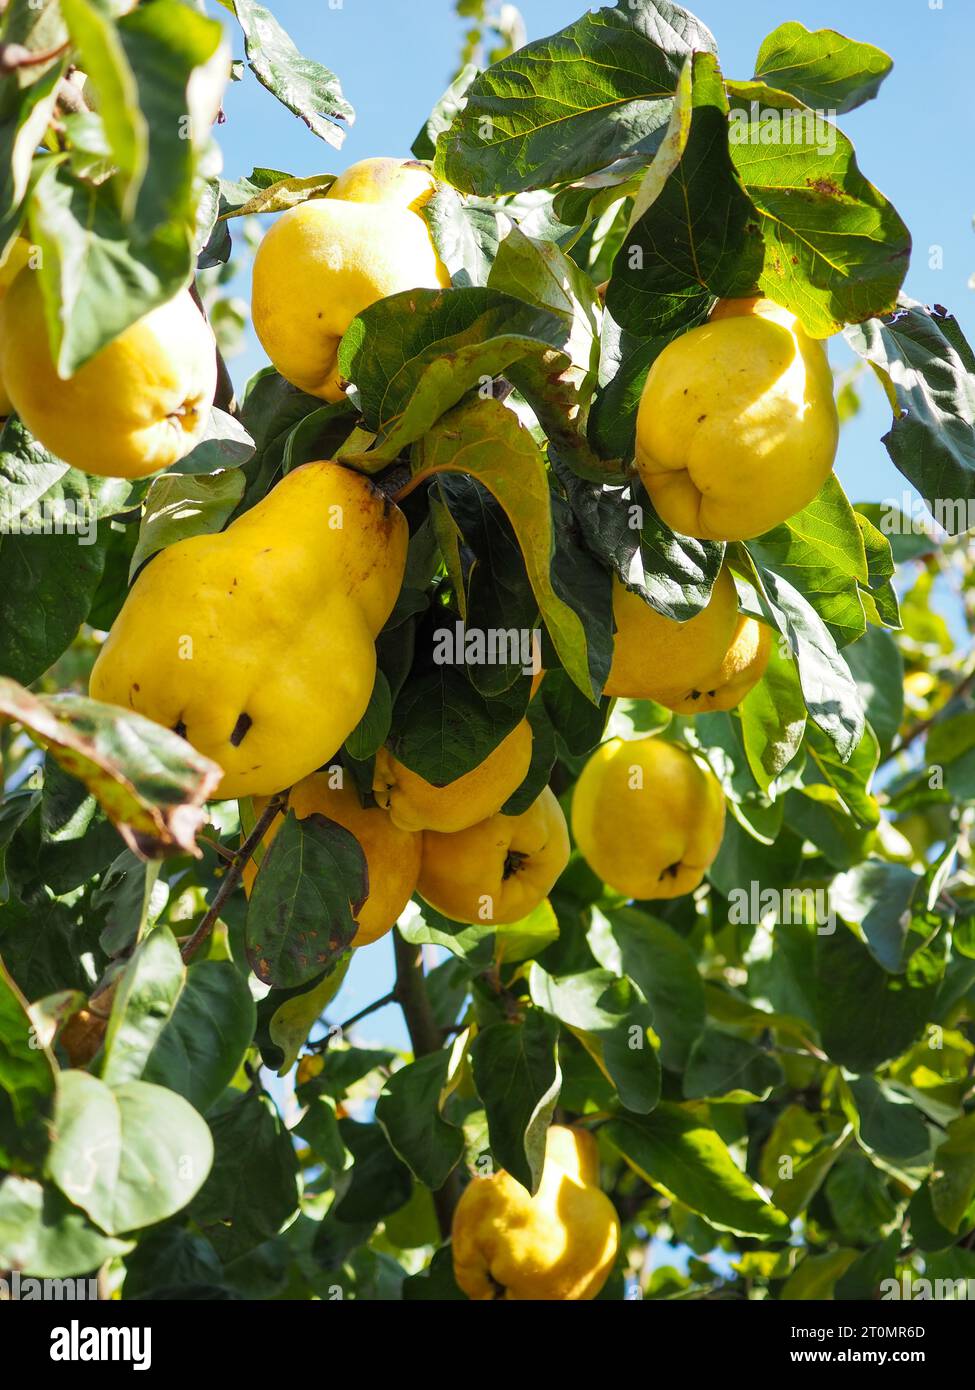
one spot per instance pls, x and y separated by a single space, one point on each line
737 427
407 183
647 818
498 870
559 1244
415 804
10 267
139 405
392 855
326 260
709 662
257 644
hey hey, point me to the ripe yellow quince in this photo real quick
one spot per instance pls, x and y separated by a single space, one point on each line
709 662
559 1244
10 267
737 427
647 818
498 870
326 260
139 405
257 645
406 183
392 855
416 804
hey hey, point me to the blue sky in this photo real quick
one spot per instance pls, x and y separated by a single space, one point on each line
395 57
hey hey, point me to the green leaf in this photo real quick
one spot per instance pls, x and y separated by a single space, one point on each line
313 881
793 1193
143 1003
180 505
409 1111
836 251
206 1037
887 1123
863 1278
372 730
878 669
563 106
150 782
953 1178
611 1021
928 369
693 232
859 1199
830 693
27 1078
442 727
867 1016
380 1183
773 719
414 355
678 1153
25 114
517 1076
252 1190
662 966
824 69
851 779
730 1068
101 54
485 439
817 1275
128 1155
820 551
304 86
53 544
443 113
879 900
42 1234
291 1015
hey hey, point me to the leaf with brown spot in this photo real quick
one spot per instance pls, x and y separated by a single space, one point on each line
150 783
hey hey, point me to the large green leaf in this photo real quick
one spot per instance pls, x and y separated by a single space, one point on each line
484 438
517 1076
693 231
27 1078
723 1066
563 106
252 1190
836 251
304 86
663 967
180 505
313 881
143 1003
409 1110
820 551
414 355
677 1151
928 371
612 1022
824 69
953 1179
101 55
866 1015
42 1234
150 782
204 1040
128 1155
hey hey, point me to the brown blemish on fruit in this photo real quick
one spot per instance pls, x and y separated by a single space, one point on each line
240 730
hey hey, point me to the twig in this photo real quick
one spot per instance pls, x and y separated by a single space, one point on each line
426 1037
337 1029
232 876
15 55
